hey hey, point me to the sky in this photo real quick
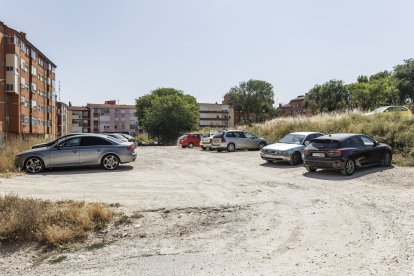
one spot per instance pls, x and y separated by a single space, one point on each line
123 49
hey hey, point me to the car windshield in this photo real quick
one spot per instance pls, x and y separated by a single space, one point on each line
292 139
218 135
380 109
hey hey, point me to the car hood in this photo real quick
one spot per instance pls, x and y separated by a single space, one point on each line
32 151
42 145
283 146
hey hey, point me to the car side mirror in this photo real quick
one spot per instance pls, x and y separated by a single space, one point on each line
307 143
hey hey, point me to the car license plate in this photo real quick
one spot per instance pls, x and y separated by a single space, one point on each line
318 154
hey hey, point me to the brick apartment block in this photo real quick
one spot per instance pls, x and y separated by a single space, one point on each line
27 88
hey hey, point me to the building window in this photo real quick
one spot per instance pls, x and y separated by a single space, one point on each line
9 68
9 87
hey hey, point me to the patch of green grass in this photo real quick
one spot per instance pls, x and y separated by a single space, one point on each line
58 259
98 245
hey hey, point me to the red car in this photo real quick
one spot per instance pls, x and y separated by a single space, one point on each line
190 140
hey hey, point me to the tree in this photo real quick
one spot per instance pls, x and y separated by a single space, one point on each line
328 97
404 73
253 100
167 112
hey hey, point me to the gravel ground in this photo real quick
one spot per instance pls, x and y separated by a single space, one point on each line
209 213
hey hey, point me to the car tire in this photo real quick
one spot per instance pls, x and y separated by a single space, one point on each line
295 159
219 150
349 167
311 169
33 165
110 162
231 147
210 149
269 161
262 145
190 145
203 148
183 147
386 162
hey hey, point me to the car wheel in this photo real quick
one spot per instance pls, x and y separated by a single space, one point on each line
219 150
190 145
210 149
295 159
386 162
110 162
349 168
33 165
269 161
231 147
183 147
203 148
311 169
262 145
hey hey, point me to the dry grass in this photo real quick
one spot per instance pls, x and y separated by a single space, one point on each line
393 129
8 151
51 223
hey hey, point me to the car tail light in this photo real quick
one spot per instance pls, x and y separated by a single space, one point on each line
223 140
306 151
131 148
211 140
334 153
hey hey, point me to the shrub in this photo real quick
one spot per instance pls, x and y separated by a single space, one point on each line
51 223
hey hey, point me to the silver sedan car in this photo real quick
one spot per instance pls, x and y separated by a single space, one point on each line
85 150
236 139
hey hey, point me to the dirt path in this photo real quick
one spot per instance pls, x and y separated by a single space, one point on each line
231 213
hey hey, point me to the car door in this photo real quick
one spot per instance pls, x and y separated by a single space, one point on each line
372 153
65 153
368 150
251 141
91 150
240 140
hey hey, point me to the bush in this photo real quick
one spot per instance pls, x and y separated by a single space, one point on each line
51 223
8 151
390 128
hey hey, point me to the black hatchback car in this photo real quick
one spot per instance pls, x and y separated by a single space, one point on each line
345 152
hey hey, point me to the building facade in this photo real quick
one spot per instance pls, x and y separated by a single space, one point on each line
296 107
27 88
100 118
218 116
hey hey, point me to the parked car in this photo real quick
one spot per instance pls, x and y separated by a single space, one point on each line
345 152
128 137
232 140
206 140
80 150
400 109
117 136
190 140
289 148
48 144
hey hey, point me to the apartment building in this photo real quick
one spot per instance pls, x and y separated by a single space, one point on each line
27 88
219 116
296 107
107 117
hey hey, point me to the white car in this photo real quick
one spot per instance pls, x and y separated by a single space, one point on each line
206 141
289 148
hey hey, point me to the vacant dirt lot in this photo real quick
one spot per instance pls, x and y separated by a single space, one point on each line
231 213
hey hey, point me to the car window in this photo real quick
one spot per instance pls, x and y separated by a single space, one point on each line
309 138
218 135
249 135
230 134
93 141
325 143
367 141
292 139
239 134
196 136
353 142
74 142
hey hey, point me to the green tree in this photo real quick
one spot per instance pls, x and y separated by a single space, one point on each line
253 100
328 97
404 73
167 112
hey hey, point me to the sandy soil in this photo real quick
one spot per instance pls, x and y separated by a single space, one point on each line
209 213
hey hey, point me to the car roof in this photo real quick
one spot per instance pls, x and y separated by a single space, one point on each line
306 132
338 136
